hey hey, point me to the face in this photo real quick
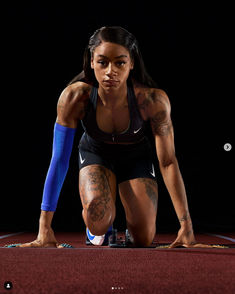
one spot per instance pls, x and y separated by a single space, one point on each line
112 64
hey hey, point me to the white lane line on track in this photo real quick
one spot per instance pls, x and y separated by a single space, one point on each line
9 235
222 237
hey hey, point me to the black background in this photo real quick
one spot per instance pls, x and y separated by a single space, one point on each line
187 49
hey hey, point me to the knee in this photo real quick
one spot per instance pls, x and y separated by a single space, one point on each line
143 238
99 216
143 241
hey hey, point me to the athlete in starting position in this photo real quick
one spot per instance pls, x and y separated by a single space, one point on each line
114 98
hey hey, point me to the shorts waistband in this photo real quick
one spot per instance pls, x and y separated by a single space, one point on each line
89 143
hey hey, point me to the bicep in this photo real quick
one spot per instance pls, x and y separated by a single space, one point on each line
161 123
163 132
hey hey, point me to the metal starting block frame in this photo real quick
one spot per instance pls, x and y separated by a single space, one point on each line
115 242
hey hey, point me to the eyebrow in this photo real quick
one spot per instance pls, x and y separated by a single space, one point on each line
120 56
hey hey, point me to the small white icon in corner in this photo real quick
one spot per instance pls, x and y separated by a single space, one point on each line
8 285
227 147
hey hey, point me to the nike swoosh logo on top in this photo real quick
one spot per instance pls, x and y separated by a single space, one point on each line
136 131
153 171
81 160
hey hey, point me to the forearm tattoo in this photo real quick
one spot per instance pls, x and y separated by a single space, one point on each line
185 217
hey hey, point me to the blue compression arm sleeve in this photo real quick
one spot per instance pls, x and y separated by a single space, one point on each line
62 148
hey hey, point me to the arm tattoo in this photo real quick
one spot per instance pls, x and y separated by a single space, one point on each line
151 97
144 104
184 217
161 123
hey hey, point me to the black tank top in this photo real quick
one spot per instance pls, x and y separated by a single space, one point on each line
134 132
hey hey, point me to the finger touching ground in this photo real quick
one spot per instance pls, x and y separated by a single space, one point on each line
37 244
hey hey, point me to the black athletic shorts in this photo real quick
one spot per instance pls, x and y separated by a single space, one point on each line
125 161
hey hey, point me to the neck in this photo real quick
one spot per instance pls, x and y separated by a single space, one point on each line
113 97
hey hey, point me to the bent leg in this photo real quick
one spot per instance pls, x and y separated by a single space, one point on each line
97 187
139 198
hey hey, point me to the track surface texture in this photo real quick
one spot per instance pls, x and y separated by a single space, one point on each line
101 269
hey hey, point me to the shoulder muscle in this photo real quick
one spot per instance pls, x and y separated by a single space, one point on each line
155 106
71 104
151 100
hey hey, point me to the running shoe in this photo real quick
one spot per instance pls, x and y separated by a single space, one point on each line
98 240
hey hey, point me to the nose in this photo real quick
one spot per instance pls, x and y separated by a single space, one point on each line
111 70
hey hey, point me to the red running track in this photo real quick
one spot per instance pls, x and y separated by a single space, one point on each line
101 270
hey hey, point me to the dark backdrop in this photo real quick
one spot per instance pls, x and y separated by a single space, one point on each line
189 52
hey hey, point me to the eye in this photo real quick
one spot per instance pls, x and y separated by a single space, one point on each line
102 62
120 63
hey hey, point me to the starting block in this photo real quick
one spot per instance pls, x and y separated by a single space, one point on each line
115 242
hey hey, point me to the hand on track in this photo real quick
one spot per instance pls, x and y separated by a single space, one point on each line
185 238
45 239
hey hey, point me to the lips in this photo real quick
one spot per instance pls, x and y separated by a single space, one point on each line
110 82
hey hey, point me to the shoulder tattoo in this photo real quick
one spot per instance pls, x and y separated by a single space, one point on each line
150 97
160 121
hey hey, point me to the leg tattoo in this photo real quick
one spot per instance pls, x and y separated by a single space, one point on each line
151 191
96 182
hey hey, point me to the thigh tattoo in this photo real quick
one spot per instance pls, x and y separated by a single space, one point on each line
151 190
96 181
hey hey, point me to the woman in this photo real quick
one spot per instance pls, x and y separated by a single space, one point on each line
114 97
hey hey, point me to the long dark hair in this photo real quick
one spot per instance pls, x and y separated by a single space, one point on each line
117 35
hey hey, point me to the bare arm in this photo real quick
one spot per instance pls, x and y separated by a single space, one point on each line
163 132
157 108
